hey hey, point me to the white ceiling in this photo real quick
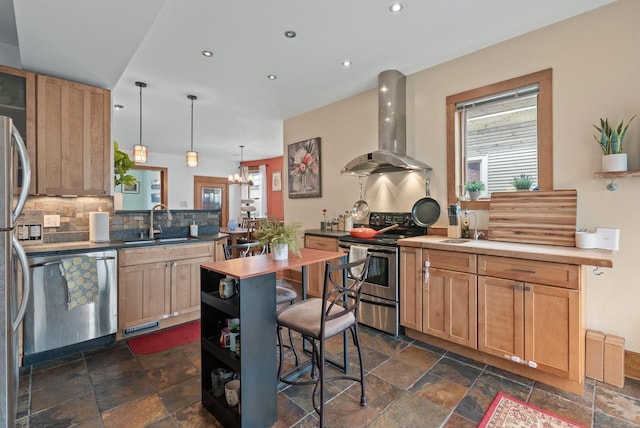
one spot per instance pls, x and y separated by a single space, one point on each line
115 43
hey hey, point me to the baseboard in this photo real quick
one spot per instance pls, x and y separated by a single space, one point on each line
632 365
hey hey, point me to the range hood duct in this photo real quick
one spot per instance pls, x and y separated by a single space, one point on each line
391 155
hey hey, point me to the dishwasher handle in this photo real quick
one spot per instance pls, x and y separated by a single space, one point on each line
57 262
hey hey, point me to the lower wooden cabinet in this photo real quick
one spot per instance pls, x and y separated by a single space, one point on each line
533 324
315 271
528 312
160 282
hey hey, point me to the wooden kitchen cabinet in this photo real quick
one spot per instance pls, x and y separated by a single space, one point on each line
315 271
411 285
532 323
74 138
18 101
160 282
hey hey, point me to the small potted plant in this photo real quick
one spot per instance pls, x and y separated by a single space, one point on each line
610 141
474 188
522 182
280 237
121 164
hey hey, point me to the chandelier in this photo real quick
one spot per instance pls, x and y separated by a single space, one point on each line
192 157
140 150
243 177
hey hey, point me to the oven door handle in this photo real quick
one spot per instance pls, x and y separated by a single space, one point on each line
382 253
377 303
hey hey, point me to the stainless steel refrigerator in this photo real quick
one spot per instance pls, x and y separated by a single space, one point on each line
15 176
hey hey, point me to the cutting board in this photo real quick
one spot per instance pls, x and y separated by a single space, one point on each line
547 217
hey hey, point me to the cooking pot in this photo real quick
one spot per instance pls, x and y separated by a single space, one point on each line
367 232
425 211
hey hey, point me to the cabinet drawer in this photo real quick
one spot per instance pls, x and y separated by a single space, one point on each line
451 260
320 243
558 274
164 253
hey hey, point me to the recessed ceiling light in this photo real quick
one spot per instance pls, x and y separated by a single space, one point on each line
208 54
118 106
395 7
272 77
290 34
346 63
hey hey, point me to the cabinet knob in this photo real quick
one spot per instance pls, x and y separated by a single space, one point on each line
517 286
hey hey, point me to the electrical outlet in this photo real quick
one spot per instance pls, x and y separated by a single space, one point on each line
183 204
52 221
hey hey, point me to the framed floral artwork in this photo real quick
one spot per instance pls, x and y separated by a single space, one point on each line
304 179
276 181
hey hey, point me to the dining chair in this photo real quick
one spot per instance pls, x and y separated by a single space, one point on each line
318 320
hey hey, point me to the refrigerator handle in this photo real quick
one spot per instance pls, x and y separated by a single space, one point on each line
26 281
26 173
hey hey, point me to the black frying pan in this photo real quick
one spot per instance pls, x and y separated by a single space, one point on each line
425 211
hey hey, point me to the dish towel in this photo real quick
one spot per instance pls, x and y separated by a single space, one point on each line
81 274
357 253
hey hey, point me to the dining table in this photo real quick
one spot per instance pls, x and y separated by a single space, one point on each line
234 234
255 306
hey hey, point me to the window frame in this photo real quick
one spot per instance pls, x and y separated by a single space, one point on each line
544 124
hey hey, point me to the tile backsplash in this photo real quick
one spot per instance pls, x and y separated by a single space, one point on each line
74 218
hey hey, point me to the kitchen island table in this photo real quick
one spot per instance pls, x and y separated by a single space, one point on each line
255 305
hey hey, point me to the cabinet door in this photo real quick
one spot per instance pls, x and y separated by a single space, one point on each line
18 101
144 293
552 329
315 271
449 306
185 285
500 317
74 138
411 283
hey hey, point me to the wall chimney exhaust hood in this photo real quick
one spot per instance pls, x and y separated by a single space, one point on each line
392 134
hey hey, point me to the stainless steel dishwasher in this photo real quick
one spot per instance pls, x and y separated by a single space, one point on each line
50 328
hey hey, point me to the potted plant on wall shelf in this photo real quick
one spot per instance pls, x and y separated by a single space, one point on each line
474 188
522 182
280 237
610 141
121 164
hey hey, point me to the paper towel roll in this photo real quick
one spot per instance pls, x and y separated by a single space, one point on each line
98 227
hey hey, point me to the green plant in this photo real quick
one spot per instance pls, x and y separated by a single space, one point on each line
121 164
610 139
474 186
522 182
273 232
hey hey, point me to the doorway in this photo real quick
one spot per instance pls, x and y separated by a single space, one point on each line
212 193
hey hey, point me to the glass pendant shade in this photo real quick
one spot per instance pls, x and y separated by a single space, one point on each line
192 159
139 153
140 150
192 156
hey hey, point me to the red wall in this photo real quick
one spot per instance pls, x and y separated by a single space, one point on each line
275 205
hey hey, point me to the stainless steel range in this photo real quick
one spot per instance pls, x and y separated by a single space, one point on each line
379 306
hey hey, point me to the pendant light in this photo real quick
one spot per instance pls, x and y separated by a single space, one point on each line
140 150
242 178
192 157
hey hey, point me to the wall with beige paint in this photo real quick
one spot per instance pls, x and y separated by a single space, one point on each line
596 72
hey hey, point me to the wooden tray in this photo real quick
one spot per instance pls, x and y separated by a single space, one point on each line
535 217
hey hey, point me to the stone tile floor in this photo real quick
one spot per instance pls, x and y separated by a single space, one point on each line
409 384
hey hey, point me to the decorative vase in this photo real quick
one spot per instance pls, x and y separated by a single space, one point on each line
474 195
117 201
232 224
614 162
280 251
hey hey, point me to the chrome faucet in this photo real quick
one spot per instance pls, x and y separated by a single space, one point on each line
476 234
153 231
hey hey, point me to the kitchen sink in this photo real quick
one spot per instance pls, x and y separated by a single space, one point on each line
139 241
454 241
184 238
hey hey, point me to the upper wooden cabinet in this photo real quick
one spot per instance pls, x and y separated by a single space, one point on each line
18 101
74 138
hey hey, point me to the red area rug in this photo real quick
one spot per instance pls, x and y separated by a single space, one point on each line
165 339
506 411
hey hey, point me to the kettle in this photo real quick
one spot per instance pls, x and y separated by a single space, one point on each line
227 288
